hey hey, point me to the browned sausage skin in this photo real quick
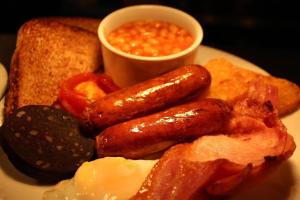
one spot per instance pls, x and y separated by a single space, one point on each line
146 135
148 96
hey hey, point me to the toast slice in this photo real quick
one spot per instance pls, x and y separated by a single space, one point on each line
47 52
230 82
88 24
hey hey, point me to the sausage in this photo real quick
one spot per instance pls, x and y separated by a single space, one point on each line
147 97
153 133
45 143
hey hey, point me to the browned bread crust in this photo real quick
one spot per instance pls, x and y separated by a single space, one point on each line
88 24
47 52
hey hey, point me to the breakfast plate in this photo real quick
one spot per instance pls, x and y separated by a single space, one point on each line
3 80
283 183
3 84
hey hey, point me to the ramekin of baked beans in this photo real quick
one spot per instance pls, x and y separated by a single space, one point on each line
140 42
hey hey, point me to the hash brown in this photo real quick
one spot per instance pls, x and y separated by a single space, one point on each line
230 82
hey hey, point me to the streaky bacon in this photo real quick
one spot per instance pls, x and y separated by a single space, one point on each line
176 177
253 141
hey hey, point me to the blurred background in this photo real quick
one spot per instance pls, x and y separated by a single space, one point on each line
265 32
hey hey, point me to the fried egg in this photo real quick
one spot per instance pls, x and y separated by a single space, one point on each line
110 178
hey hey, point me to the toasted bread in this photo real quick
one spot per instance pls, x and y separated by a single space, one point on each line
230 82
88 24
47 52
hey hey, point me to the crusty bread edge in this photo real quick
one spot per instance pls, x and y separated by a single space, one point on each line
13 83
77 22
12 94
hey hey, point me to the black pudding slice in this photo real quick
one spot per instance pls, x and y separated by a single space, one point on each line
45 143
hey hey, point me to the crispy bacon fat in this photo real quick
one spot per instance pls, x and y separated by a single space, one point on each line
253 141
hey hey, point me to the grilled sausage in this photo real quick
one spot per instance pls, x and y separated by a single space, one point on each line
147 97
153 133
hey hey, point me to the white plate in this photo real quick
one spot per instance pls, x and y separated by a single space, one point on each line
3 84
283 183
3 80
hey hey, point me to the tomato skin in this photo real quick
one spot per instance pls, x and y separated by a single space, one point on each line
75 102
107 84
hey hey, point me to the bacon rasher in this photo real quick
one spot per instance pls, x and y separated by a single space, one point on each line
253 141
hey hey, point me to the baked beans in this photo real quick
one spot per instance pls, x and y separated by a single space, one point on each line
150 38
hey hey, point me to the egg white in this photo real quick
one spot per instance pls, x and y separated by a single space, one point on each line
110 178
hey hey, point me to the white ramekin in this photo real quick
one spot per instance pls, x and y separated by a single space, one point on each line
127 69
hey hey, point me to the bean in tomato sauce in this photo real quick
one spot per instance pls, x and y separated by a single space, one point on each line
150 38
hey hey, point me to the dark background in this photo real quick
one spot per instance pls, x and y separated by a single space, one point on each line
265 32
